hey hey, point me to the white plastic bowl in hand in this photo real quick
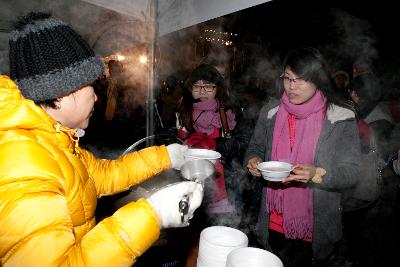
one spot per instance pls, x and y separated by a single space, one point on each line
200 153
275 171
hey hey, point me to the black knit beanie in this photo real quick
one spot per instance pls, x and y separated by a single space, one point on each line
48 59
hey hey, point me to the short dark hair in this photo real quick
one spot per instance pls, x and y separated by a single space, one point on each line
51 103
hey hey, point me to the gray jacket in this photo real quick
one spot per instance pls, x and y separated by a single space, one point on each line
338 152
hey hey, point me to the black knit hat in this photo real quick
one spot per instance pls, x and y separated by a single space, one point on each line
48 59
205 72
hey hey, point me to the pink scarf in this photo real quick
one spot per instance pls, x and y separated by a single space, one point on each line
206 117
295 200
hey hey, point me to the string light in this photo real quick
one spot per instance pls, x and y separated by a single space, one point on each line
120 57
222 38
115 57
143 59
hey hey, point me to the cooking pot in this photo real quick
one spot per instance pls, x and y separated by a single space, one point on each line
198 170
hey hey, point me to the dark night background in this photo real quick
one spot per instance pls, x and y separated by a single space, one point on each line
345 31
339 26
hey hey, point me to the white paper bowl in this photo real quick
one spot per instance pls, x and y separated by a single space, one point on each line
275 170
200 153
252 257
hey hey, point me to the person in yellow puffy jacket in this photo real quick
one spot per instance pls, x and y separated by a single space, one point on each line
49 185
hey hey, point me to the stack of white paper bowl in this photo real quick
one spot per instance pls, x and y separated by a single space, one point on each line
252 257
216 242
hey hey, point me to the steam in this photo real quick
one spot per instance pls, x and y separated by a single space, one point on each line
133 86
356 42
110 33
353 41
356 38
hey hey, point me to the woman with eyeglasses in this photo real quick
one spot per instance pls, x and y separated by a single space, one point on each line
300 217
200 124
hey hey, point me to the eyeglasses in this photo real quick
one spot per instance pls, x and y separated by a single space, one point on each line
208 88
296 81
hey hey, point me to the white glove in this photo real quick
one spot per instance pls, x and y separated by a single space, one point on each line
176 152
165 202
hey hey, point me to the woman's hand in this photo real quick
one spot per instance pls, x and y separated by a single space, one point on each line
252 166
301 173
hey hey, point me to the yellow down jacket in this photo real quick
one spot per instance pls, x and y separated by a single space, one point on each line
49 188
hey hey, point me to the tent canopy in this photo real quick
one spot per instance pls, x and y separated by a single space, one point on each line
173 15
126 22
